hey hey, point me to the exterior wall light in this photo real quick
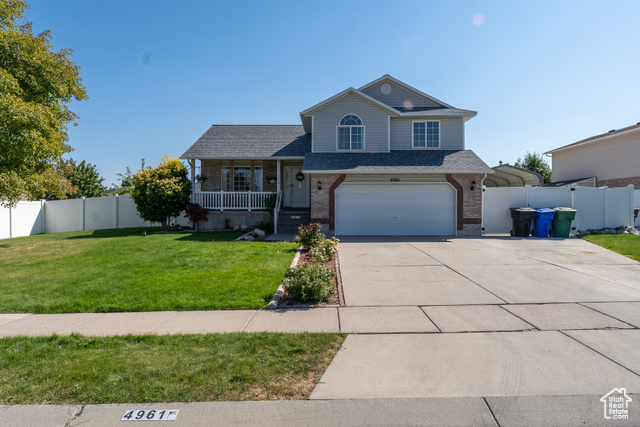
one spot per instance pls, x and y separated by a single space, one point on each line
473 185
319 185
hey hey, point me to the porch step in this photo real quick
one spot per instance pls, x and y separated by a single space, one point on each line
289 220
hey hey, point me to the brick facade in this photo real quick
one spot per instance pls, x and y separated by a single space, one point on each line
323 201
469 210
620 182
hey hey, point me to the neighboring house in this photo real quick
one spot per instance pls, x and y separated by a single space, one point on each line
613 158
384 159
512 176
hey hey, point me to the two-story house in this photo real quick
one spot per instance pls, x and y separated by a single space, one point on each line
384 159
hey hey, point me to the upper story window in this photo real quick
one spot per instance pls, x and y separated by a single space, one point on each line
350 133
426 134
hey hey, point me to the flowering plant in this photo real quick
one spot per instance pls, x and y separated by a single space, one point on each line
309 236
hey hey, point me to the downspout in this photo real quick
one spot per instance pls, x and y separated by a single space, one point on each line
192 163
482 205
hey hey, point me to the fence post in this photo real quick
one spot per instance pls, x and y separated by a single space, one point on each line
10 223
605 200
117 212
527 195
631 205
83 214
43 209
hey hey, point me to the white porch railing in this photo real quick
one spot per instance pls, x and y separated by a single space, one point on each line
276 211
231 200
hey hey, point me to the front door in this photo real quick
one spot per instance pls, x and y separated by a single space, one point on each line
295 193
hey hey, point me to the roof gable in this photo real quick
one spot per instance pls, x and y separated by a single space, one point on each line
601 137
400 93
344 93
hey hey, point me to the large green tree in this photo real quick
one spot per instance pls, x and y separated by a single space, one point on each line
85 179
161 193
36 84
535 162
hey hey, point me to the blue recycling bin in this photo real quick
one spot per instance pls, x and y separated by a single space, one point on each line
542 223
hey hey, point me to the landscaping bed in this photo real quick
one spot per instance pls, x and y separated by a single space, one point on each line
335 300
122 270
67 370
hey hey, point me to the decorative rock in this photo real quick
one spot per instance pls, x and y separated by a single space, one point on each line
258 233
244 226
236 228
634 231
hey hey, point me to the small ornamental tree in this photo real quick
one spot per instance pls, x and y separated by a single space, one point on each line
195 213
85 179
536 163
161 193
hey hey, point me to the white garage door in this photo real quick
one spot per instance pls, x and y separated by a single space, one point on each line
395 209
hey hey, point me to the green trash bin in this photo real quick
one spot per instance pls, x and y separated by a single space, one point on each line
562 221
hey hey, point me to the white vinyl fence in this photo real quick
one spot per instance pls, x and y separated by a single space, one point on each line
597 207
637 205
58 216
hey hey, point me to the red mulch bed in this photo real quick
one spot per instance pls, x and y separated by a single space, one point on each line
335 300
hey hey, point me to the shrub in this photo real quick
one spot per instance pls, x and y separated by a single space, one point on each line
269 202
310 282
266 226
161 193
325 250
309 236
195 213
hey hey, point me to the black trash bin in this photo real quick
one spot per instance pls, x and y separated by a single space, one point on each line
522 221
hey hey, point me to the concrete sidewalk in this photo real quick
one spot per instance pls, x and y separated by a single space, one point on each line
359 320
530 411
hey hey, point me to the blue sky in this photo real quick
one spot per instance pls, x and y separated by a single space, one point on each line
541 74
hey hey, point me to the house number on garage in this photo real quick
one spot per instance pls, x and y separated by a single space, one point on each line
395 180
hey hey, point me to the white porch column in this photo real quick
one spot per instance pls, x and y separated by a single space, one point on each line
192 163
278 175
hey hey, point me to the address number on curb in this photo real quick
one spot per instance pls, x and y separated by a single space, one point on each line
150 415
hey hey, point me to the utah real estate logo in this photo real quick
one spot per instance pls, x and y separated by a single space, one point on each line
616 404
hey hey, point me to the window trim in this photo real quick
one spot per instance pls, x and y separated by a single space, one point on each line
364 133
413 142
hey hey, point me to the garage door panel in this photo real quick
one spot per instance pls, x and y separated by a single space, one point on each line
388 209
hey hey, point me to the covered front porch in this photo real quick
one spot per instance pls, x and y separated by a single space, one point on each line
232 188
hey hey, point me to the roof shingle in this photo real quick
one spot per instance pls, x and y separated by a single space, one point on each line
250 141
398 160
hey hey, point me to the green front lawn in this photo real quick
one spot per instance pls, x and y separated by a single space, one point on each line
120 270
170 368
625 244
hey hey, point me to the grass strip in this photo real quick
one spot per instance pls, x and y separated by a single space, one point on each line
172 368
624 244
120 270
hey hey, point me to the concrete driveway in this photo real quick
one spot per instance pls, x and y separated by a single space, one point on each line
484 318
393 271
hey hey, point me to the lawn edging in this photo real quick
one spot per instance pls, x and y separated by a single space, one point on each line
275 299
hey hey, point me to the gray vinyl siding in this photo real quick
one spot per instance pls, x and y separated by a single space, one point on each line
451 133
374 119
614 158
398 96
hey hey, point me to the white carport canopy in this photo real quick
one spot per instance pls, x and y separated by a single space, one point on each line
511 176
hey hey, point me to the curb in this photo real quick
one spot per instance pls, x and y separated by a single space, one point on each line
275 299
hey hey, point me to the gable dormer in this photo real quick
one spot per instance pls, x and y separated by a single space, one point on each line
401 96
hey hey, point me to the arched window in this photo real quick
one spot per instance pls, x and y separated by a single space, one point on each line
350 133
